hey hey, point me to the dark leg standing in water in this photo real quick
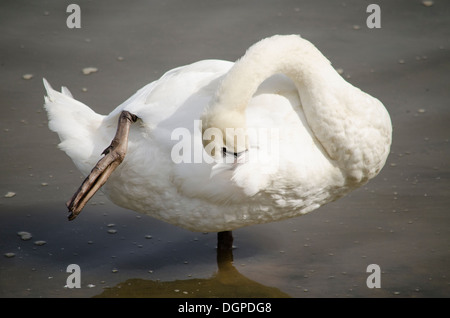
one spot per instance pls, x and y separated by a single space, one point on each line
224 249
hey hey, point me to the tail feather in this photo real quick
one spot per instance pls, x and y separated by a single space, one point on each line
65 91
76 125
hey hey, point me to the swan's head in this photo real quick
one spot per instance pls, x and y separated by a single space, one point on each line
240 160
226 139
224 132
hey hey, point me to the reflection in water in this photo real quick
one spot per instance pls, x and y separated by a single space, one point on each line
226 283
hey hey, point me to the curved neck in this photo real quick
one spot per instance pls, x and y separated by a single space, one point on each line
289 55
338 113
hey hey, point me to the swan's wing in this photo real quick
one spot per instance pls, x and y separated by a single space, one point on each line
173 101
162 98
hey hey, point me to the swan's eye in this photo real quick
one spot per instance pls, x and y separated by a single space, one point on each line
225 152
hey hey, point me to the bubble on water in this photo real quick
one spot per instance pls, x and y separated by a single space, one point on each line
89 70
10 194
112 231
9 255
24 235
40 243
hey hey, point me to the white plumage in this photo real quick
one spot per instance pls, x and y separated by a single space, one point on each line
317 138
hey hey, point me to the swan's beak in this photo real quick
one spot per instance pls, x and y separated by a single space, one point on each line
229 163
114 156
94 181
220 168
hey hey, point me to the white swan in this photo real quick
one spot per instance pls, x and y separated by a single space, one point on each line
317 138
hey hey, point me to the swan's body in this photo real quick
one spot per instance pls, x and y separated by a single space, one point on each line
330 138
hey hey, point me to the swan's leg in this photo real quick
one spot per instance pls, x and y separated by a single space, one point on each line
224 249
114 156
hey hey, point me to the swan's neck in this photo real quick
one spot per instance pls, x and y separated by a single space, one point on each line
329 102
289 55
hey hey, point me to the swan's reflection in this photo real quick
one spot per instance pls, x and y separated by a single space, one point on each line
226 283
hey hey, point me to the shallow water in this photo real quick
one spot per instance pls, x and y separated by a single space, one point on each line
399 220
